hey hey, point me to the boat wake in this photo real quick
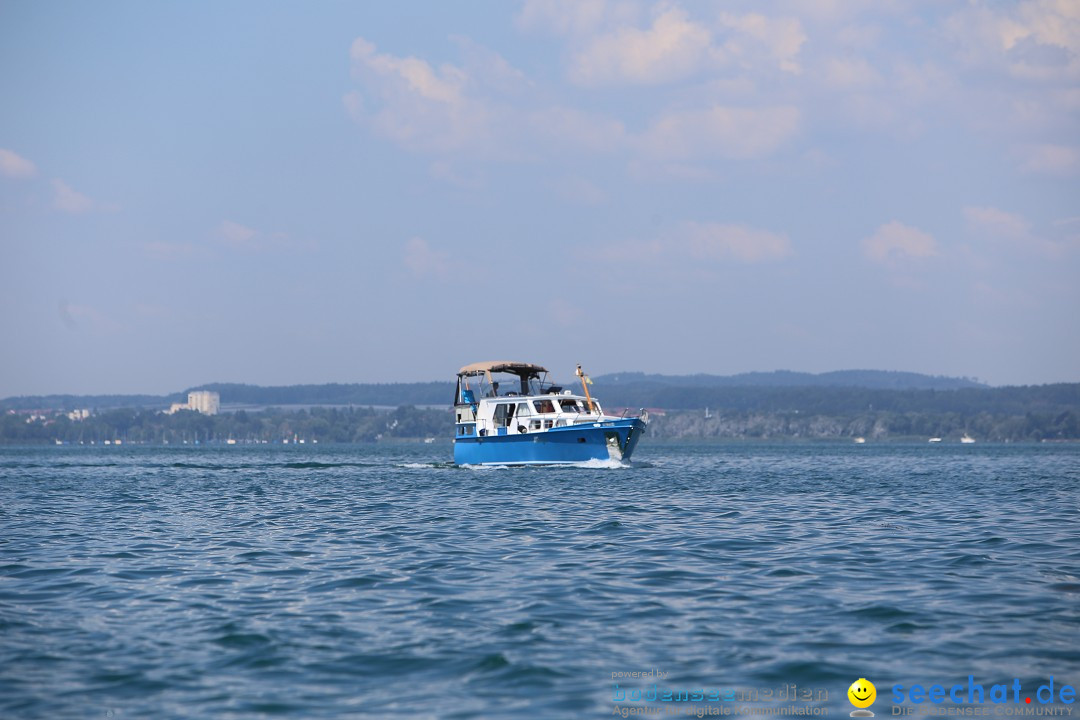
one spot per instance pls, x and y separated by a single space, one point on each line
593 464
609 464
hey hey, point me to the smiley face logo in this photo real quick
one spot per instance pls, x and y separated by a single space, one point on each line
862 694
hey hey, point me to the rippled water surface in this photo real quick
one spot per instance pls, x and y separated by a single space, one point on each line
383 582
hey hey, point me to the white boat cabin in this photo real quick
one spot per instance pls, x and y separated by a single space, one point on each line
482 406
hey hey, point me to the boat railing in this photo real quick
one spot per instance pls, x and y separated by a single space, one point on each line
642 413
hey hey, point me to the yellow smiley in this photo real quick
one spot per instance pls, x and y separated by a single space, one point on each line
862 693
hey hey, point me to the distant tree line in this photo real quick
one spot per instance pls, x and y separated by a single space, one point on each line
633 391
883 425
331 425
627 385
1040 412
385 394
876 379
364 425
1011 401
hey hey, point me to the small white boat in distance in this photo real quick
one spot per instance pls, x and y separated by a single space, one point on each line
860 440
934 440
967 439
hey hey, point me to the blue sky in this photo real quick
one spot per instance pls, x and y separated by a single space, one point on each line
282 193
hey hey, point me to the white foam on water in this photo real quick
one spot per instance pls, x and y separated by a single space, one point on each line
609 464
594 464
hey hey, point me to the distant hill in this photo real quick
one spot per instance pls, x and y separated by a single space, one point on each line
870 379
390 394
780 389
1064 397
100 402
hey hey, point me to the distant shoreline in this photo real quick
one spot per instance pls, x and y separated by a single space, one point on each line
438 393
1018 420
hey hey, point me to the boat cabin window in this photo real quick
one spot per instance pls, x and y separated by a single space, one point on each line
570 406
544 406
503 414
523 409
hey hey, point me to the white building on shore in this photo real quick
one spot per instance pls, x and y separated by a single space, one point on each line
203 401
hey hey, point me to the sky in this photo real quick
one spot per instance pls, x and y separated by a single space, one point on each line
283 192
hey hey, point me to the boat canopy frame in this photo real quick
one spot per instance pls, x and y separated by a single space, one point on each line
524 371
507 366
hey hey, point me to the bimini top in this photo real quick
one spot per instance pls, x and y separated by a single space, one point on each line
507 366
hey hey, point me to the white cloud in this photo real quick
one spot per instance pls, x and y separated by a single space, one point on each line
839 11
354 105
716 241
242 237
779 38
895 241
719 86
69 200
15 166
415 75
236 234
424 261
672 48
1034 39
996 222
1049 159
579 191
449 110
424 108
675 46
485 67
702 243
730 132
571 17
718 83
77 317
850 73
993 224
486 109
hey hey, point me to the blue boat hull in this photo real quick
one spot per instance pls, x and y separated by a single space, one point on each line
611 439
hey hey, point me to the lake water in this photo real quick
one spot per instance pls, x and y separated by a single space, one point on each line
380 581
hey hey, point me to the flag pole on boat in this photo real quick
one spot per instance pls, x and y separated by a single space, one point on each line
585 383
